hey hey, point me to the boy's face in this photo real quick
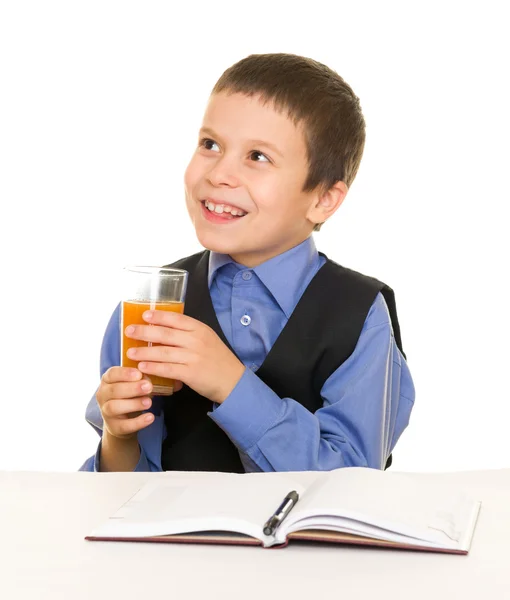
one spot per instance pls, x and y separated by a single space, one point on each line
251 160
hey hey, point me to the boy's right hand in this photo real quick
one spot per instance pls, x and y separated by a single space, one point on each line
122 396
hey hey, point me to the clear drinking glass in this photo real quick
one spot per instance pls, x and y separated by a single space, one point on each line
150 288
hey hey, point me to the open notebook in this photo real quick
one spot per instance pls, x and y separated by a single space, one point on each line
349 505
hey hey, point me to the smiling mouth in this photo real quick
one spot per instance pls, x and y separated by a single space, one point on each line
224 211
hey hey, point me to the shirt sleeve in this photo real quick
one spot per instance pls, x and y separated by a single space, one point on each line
367 402
150 439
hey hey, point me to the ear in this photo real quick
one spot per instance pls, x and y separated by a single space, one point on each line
326 203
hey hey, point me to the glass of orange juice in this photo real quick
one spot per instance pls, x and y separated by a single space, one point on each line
150 288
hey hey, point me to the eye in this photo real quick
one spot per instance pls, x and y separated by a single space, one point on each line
208 144
257 156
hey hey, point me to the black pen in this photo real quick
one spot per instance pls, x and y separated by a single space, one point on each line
281 512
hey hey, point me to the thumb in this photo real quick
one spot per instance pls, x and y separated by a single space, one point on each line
177 385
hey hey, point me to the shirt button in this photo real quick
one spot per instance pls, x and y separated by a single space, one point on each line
245 320
246 275
253 367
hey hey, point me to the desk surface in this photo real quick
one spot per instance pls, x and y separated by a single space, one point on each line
45 516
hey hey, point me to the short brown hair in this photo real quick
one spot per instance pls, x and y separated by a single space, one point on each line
314 96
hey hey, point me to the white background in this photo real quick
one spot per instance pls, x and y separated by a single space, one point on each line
100 106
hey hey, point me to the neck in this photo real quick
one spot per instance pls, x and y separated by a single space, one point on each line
254 259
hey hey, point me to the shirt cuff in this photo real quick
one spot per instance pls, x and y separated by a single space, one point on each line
142 465
251 409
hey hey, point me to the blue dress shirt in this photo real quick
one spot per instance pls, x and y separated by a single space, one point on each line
367 401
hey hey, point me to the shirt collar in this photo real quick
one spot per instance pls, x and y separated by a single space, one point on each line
285 276
216 261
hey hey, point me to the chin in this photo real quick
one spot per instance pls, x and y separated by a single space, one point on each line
214 243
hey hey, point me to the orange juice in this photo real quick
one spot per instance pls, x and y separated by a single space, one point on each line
132 315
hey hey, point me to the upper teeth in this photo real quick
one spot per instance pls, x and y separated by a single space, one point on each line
220 208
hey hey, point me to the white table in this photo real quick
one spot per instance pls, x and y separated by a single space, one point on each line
45 516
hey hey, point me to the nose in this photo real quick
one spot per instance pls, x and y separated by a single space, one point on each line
224 173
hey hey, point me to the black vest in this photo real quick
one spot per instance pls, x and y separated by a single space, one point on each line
320 335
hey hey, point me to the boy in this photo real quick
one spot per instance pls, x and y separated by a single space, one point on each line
285 361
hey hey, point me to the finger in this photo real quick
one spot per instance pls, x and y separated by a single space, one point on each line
172 319
122 408
167 370
132 389
115 374
124 427
178 385
163 354
158 334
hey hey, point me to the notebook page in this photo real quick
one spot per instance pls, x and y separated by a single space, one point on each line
391 501
239 503
340 525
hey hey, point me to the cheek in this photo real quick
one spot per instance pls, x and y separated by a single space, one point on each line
191 175
268 191
277 196
189 186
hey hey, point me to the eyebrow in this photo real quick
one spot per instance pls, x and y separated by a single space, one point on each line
269 145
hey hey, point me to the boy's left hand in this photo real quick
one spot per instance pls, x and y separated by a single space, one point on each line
190 352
